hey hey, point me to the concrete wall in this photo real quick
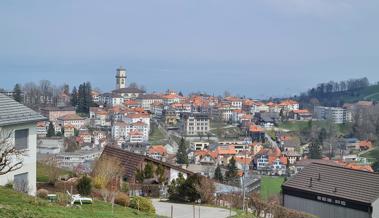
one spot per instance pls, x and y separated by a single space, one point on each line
322 210
29 160
375 209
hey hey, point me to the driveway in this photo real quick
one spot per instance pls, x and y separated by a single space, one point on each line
186 210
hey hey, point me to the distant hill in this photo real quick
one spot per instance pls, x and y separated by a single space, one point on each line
331 94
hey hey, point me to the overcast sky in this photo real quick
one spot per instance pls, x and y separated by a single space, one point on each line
256 48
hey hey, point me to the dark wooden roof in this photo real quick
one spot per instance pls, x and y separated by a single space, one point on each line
132 161
337 181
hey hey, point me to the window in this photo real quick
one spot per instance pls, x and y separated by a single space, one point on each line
20 182
21 139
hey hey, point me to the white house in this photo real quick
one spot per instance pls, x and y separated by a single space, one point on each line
20 121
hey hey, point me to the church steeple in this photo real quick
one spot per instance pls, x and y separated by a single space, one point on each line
121 78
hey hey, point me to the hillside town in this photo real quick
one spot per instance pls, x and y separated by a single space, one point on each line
242 145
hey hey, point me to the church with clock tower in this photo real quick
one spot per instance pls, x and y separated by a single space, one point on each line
121 78
122 89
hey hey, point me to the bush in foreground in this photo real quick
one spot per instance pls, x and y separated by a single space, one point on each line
122 199
84 186
142 204
42 193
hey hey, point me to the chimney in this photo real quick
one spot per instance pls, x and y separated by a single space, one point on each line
310 182
335 189
319 177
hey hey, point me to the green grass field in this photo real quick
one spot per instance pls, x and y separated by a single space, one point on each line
296 126
372 155
270 186
13 204
157 136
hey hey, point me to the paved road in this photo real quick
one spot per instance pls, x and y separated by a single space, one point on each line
186 211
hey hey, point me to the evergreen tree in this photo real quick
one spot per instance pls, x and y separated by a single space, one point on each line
17 93
231 174
315 150
218 174
159 172
181 155
51 130
81 98
74 97
84 98
148 171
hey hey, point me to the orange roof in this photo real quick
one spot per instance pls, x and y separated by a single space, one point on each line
232 98
135 133
282 159
157 149
69 126
243 160
288 102
41 124
171 96
203 153
366 144
247 117
139 123
71 117
365 167
226 150
131 102
138 115
303 111
255 128
248 102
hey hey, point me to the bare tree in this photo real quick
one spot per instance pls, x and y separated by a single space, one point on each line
206 189
107 174
52 170
11 158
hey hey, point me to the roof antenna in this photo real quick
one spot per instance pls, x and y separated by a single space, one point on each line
310 182
319 177
335 189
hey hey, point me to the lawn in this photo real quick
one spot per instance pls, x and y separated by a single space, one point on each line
228 133
372 155
13 204
157 136
42 172
296 126
270 186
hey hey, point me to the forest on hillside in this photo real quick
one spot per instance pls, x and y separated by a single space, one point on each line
335 94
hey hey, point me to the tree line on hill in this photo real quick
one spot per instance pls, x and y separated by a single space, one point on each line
330 93
44 93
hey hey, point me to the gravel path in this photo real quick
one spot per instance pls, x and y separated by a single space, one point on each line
186 210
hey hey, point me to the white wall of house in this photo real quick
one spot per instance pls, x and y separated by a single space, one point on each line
29 160
174 174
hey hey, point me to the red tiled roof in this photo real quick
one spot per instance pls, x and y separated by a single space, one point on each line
157 149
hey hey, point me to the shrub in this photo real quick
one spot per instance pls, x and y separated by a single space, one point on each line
62 199
125 187
142 204
122 199
9 185
42 193
84 186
